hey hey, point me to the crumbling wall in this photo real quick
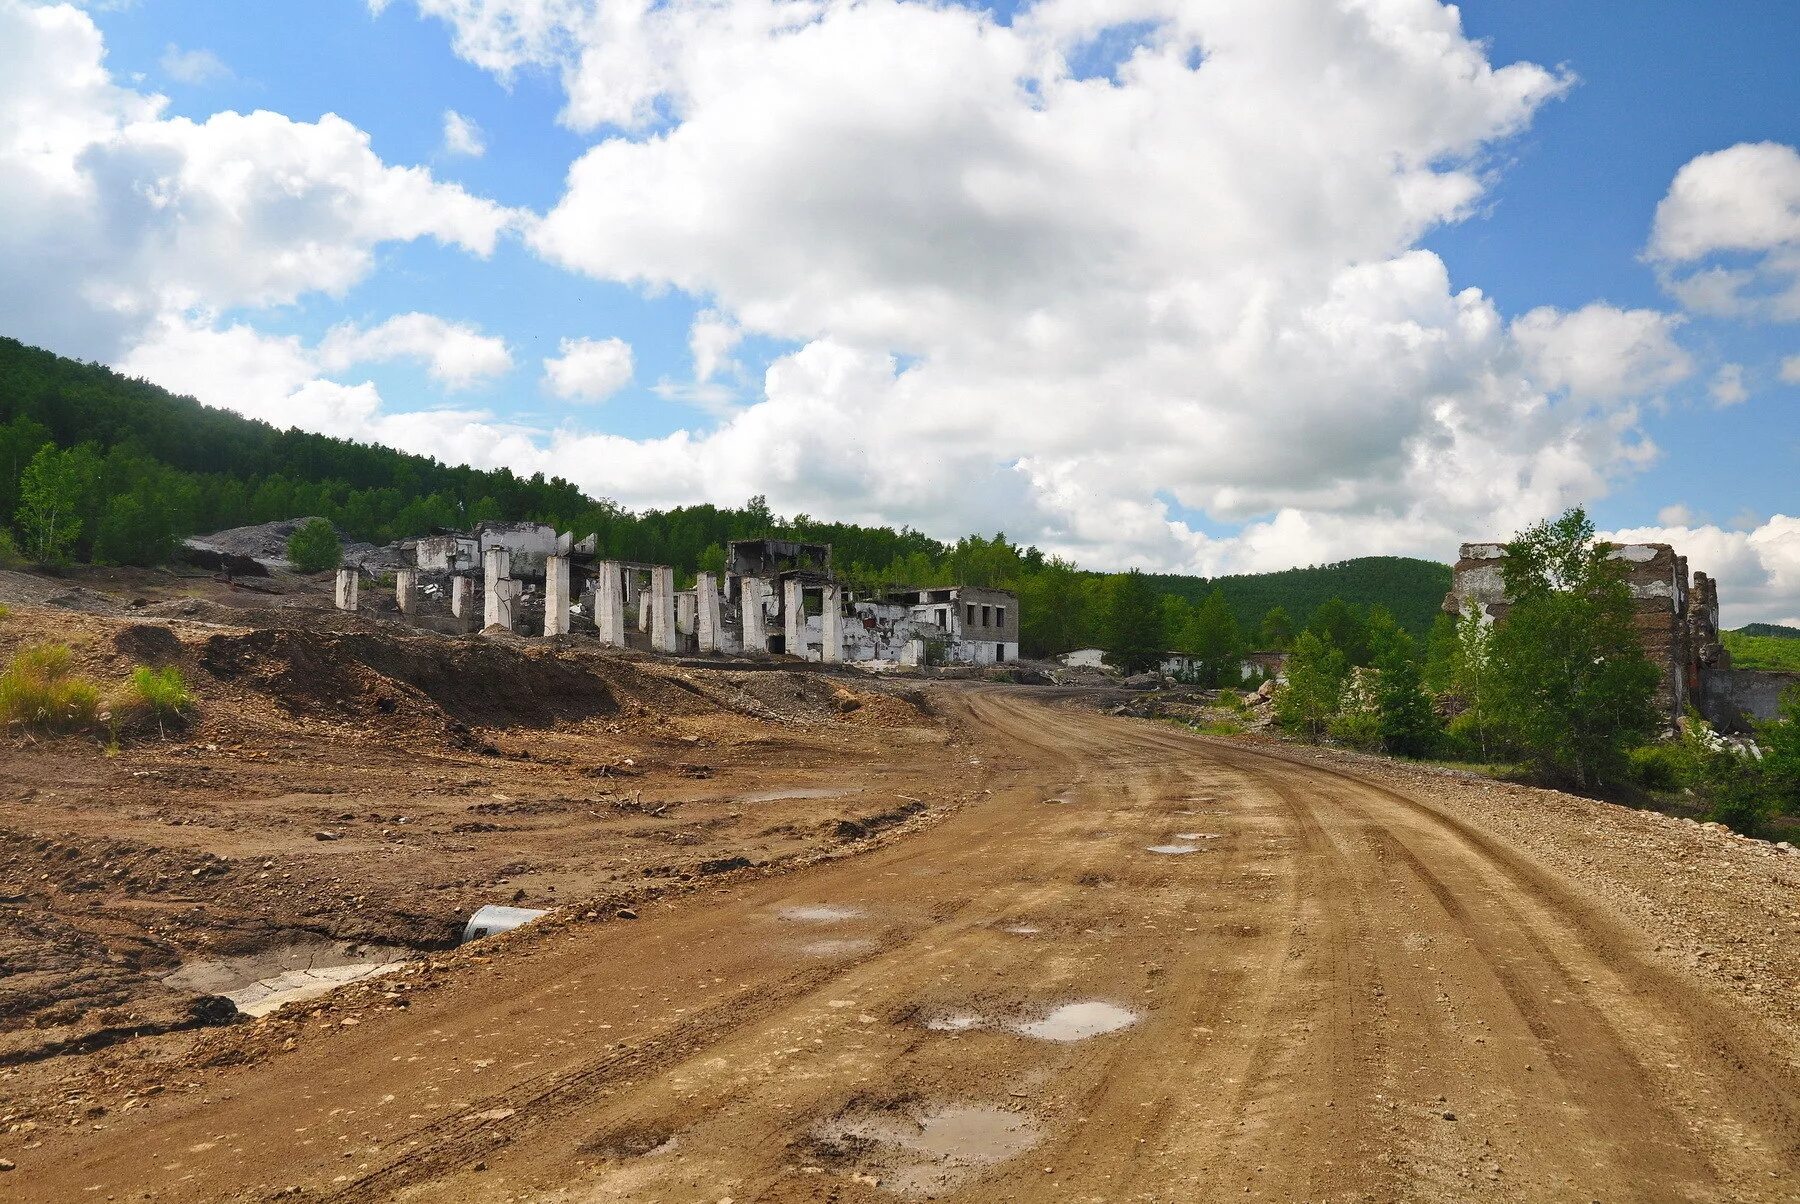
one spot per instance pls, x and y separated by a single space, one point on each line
1677 622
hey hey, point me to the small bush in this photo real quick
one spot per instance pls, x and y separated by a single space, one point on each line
1664 766
5 613
160 691
38 690
315 547
9 549
1356 729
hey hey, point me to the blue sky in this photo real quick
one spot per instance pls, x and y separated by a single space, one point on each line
1182 286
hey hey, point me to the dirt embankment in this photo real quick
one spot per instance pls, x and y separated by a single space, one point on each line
352 790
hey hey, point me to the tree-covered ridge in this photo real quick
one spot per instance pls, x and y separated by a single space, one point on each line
1410 590
1771 630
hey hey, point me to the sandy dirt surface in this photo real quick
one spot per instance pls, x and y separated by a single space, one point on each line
1108 961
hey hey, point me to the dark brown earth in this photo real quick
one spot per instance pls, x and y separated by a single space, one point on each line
1365 982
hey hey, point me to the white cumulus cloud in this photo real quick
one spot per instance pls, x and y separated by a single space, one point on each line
1727 387
589 370
456 354
118 216
1727 235
193 66
462 136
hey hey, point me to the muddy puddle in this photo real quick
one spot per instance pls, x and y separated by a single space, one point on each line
931 1151
820 913
1196 836
1078 1022
260 982
795 792
1172 850
1064 1025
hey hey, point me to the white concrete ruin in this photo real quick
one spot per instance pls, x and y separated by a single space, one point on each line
497 592
349 587
753 603
661 609
831 626
462 596
556 595
406 590
609 603
708 628
793 613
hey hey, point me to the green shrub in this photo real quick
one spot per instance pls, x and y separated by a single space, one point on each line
161 692
5 613
38 690
1356 729
1663 766
9 549
315 547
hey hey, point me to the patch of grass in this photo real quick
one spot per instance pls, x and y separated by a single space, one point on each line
39 690
162 692
1762 651
5 613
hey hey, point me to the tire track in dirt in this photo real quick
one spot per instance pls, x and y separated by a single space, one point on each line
1342 967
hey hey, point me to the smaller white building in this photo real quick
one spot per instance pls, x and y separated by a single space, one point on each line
1084 658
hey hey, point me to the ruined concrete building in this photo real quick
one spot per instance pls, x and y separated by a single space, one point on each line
1677 620
776 597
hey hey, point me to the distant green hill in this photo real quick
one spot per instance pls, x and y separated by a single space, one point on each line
1774 630
1412 590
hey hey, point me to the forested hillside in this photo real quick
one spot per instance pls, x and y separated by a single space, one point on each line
1411 590
97 466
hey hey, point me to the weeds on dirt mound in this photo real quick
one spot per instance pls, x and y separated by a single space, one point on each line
39 690
159 694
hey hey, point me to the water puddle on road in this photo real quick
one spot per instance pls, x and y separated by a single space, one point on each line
793 792
1196 836
1021 930
1078 1021
931 1152
258 983
820 913
1173 850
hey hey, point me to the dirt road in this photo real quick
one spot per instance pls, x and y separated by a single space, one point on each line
1341 992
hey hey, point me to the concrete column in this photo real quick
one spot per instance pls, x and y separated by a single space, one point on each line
556 595
462 596
687 612
609 603
793 614
503 603
706 591
406 590
348 588
496 567
751 591
645 593
661 607
831 626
